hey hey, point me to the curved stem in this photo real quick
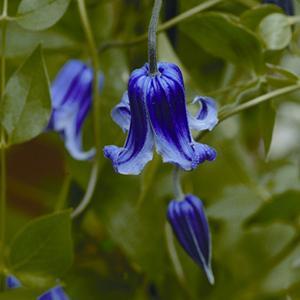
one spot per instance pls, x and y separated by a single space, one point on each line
152 39
96 107
2 148
178 193
172 22
225 113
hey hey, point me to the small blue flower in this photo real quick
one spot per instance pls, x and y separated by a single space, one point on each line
12 282
56 293
190 226
71 102
286 5
154 113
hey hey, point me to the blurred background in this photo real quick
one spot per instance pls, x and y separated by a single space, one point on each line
251 192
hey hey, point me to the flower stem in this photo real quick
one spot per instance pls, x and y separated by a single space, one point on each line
96 108
178 193
2 149
152 38
172 22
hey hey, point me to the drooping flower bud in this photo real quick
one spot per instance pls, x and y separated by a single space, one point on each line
71 102
155 114
190 226
286 5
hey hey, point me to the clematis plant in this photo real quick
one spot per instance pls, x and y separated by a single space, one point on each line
154 113
71 102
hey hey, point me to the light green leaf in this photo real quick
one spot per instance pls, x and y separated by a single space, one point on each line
40 14
26 108
222 36
275 31
43 248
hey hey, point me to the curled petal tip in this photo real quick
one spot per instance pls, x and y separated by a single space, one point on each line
207 116
56 293
12 282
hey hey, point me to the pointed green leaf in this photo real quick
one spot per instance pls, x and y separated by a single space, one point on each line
43 248
26 108
40 14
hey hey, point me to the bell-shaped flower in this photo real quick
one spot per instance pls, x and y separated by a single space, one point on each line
154 113
286 5
56 293
190 226
71 94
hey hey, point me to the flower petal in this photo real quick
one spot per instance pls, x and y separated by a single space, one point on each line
138 149
12 282
56 293
207 116
121 113
190 226
286 5
165 99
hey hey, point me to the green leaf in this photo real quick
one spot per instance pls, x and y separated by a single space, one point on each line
26 107
40 14
222 36
43 248
283 207
267 122
275 31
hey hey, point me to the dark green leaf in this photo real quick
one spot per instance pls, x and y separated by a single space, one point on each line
40 14
26 107
43 248
275 31
222 36
283 207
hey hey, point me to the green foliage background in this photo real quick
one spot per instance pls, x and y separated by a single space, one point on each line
234 51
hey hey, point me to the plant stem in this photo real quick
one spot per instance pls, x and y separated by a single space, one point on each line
2 150
96 108
178 193
152 38
172 22
225 113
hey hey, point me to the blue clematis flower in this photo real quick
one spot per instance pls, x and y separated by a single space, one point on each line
71 102
190 226
286 5
56 293
154 113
